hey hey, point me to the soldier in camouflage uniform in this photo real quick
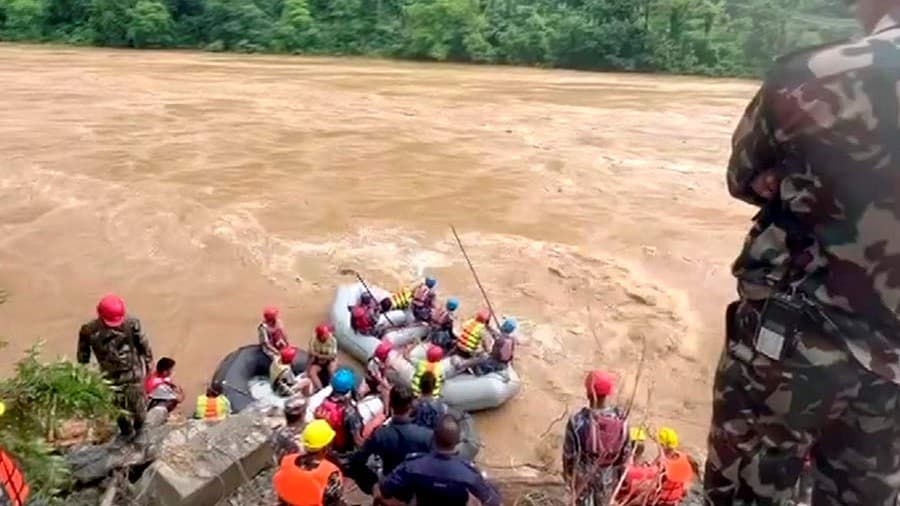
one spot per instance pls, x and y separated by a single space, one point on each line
124 355
286 439
812 360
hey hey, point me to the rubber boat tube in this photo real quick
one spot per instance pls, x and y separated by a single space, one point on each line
465 392
238 370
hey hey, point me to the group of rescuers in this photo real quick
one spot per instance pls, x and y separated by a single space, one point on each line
602 456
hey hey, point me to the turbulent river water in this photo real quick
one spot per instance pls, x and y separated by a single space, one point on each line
202 187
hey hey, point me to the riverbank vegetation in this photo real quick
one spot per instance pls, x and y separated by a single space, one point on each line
713 37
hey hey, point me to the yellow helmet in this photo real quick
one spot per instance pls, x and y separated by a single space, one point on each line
2 408
317 435
667 438
637 434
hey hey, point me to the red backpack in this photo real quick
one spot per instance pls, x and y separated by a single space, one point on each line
333 412
604 437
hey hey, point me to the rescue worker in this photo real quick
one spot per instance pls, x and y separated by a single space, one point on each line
594 448
470 340
286 438
442 321
213 406
272 337
423 300
439 477
339 410
281 373
428 407
323 350
160 388
502 350
376 381
361 321
677 470
816 315
393 442
641 477
124 355
310 479
400 300
432 364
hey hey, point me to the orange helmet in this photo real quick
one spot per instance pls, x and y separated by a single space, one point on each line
483 316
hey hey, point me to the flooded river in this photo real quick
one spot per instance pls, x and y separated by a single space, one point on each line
202 187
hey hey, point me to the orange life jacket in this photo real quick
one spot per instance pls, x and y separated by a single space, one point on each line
297 486
12 482
677 475
211 408
433 368
470 338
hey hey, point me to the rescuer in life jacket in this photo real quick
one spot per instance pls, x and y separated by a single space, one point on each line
323 351
339 410
270 331
310 479
281 373
376 381
213 406
442 321
470 339
423 300
641 477
502 348
361 320
677 470
429 408
432 364
160 388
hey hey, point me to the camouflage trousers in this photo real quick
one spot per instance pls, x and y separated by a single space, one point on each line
768 415
131 399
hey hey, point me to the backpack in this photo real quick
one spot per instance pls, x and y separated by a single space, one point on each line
333 413
604 437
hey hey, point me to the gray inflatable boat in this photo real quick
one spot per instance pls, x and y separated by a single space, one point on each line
465 392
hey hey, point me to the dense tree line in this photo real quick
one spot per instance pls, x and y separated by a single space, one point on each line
716 37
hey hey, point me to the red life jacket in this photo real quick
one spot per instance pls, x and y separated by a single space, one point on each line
13 486
604 438
361 320
154 381
333 412
503 348
275 335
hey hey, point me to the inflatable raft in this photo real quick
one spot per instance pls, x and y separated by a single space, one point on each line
465 392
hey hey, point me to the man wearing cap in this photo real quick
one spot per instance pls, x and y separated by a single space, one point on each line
124 355
594 449
286 439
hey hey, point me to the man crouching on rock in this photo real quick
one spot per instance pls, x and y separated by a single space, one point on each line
124 355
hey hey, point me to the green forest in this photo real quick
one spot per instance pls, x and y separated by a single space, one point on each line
711 37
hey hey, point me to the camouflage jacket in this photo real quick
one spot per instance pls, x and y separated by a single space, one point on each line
285 441
827 120
123 353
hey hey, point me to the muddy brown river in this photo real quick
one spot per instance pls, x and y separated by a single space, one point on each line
202 187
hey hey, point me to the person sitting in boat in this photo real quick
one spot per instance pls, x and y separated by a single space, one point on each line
428 407
470 340
423 300
161 390
399 300
339 410
285 439
213 406
442 321
501 354
284 382
376 381
323 350
272 337
432 364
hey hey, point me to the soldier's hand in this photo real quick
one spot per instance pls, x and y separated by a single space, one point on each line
766 184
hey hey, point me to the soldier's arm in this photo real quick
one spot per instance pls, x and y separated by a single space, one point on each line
753 150
142 343
84 345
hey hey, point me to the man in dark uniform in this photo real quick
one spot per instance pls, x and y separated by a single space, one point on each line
439 478
812 360
124 355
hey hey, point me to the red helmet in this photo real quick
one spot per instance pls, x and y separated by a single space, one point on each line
483 316
288 354
434 353
111 310
270 314
358 312
322 332
383 350
599 384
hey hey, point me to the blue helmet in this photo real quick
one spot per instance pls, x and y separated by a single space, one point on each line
430 282
509 326
343 381
452 304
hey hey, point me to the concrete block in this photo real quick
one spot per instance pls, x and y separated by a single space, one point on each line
210 464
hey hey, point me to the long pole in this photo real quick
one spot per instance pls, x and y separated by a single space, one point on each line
363 283
475 275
